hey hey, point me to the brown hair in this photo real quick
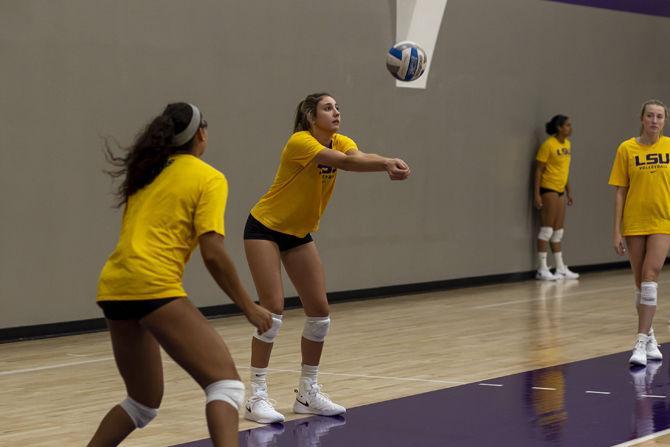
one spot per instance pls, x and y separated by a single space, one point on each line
149 153
306 108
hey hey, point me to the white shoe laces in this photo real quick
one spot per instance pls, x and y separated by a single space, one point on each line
318 398
263 403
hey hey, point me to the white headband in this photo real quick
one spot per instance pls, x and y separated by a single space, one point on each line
188 133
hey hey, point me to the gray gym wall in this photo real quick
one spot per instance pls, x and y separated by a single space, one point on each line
74 70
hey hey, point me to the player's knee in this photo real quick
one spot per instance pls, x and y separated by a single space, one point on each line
140 414
316 328
270 335
649 293
229 391
545 233
557 236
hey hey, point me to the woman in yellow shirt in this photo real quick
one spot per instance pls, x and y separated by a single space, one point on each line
641 175
278 232
550 188
172 201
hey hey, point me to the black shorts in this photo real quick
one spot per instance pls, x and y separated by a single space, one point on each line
256 230
543 190
131 310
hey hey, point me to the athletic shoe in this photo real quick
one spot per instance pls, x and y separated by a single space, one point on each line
566 273
259 408
545 275
653 353
639 356
310 400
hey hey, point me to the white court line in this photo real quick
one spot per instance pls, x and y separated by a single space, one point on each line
653 395
562 295
365 376
59 365
643 439
542 388
489 384
598 392
83 362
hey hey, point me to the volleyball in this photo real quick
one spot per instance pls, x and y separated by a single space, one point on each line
406 61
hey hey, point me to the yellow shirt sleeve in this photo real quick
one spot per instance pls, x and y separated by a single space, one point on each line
619 173
543 152
346 143
211 207
301 148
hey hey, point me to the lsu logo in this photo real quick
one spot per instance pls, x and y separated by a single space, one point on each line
653 159
323 169
562 151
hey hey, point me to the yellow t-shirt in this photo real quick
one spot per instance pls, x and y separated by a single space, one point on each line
645 171
556 156
301 189
160 229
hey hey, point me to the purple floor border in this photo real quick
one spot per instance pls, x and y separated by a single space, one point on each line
595 402
659 8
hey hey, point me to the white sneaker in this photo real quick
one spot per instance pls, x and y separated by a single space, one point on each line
259 408
310 400
653 353
639 356
545 275
566 273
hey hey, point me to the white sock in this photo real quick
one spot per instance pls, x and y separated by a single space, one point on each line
558 258
259 384
308 373
542 258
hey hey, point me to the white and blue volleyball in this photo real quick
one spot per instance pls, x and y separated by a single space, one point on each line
406 61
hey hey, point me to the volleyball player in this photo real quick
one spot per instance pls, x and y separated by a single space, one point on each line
641 176
172 202
551 187
278 232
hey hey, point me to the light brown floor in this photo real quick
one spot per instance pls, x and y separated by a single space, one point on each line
54 392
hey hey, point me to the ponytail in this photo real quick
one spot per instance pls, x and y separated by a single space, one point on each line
146 158
552 126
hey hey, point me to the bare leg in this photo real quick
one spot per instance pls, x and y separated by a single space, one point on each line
558 222
193 343
637 252
548 214
657 246
304 267
264 263
138 359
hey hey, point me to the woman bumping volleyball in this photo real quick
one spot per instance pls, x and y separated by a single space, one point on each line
641 175
173 202
550 188
278 232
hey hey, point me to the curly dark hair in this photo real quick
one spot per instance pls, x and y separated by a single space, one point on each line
149 153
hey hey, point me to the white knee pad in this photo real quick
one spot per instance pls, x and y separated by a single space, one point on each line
140 414
557 236
545 233
637 296
316 328
229 391
648 293
270 335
